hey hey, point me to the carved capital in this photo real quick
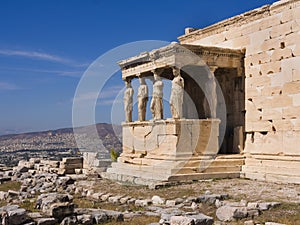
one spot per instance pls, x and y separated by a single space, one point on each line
213 69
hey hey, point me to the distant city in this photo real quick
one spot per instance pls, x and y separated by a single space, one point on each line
57 144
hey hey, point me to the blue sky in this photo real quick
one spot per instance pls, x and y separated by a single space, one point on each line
45 47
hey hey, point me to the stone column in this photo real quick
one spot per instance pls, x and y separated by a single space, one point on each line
128 100
157 95
211 93
142 99
176 98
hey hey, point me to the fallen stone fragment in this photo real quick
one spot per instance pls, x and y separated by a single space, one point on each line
16 216
72 220
229 213
100 217
198 219
272 223
61 210
156 200
45 221
85 219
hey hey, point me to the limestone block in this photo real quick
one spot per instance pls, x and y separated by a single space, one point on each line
251 71
252 113
296 74
263 57
290 68
280 54
72 160
261 102
282 179
272 67
291 87
287 16
290 12
281 101
296 51
282 125
128 137
250 28
167 144
271 44
291 40
272 90
256 41
258 81
272 114
253 92
269 21
265 143
295 25
70 166
240 42
281 30
258 126
291 112
279 79
221 37
296 124
141 131
291 143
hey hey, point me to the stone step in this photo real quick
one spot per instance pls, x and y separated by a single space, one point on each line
143 172
278 169
272 177
215 163
203 176
211 169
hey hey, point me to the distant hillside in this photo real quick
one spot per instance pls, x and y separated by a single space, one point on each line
103 129
55 144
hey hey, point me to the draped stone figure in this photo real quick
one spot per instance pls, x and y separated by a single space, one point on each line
210 103
157 95
142 99
176 98
128 100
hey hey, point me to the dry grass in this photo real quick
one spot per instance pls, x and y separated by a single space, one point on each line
140 220
10 185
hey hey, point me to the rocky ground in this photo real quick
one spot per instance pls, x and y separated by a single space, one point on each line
34 197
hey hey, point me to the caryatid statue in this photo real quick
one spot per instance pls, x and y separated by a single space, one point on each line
128 100
176 98
157 95
142 99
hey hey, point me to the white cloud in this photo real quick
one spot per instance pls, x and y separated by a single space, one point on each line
8 86
33 54
110 102
41 56
111 92
106 97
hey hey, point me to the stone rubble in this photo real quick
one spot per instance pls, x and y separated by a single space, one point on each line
55 193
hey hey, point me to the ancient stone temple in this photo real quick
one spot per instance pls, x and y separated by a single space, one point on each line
235 102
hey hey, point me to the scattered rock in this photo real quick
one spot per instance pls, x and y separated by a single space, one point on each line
228 213
170 203
45 221
272 223
85 219
72 220
198 219
13 214
156 200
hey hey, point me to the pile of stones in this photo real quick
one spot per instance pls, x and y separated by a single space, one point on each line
70 165
52 195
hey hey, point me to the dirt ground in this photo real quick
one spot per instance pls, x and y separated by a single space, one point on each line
237 189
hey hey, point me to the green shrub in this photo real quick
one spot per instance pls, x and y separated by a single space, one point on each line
114 155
